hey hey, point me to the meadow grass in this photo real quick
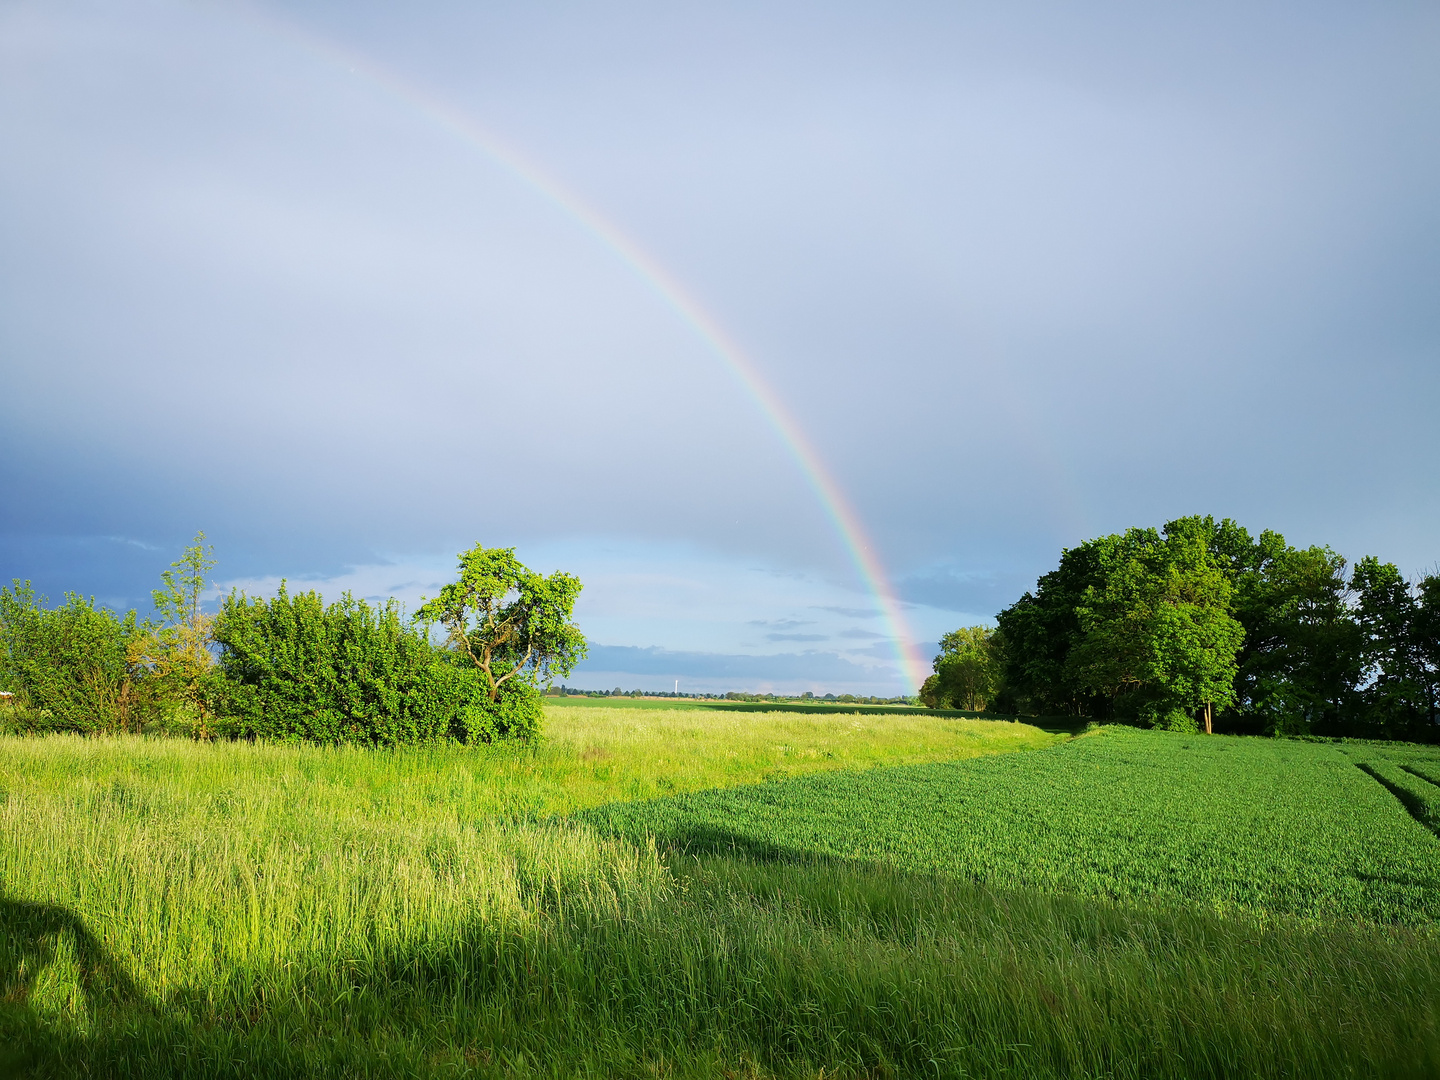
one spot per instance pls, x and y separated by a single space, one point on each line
179 909
589 756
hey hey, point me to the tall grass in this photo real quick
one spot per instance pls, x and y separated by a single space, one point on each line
172 909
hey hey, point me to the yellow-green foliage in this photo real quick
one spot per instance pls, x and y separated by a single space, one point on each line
169 908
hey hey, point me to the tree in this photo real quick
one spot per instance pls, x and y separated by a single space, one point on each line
1041 628
1159 633
294 668
1399 629
1301 661
512 623
967 671
1425 631
1300 664
1137 625
177 652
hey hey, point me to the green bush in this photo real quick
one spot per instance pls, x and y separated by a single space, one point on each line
23 720
68 666
292 668
516 715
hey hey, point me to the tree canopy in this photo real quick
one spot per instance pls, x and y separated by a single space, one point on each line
1157 629
1199 619
511 622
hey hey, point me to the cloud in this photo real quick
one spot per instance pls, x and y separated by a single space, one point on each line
797 637
991 260
980 593
856 632
884 650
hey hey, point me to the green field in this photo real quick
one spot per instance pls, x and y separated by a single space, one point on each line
716 892
1223 823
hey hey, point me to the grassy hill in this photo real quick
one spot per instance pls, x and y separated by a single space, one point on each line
828 894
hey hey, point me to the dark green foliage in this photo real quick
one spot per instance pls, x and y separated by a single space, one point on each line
1041 628
1133 626
1302 658
293 668
1156 636
1400 637
68 666
1144 626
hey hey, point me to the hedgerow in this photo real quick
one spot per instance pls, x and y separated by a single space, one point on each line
292 668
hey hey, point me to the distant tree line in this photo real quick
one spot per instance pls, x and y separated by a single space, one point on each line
291 667
1199 625
734 695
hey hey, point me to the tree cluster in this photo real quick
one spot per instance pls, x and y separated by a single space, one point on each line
292 667
80 667
1198 624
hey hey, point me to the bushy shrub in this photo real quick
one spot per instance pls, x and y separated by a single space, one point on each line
69 666
292 668
516 714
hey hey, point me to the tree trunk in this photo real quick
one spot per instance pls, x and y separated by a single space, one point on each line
1208 728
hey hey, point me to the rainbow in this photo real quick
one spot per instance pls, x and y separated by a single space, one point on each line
837 508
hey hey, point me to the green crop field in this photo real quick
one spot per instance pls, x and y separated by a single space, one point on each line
1222 822
715 892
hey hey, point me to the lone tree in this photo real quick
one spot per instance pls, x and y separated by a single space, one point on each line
186 632
512 622
967 671
177 652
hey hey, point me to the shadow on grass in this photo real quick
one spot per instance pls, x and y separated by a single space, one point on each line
1414 805
780 958
33 938
109 1026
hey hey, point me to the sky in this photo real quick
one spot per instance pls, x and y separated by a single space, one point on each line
802 333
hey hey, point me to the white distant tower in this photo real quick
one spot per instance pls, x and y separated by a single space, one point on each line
677 687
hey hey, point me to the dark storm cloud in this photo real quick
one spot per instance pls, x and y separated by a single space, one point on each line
982 593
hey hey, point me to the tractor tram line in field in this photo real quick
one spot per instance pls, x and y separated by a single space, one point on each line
1397 772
